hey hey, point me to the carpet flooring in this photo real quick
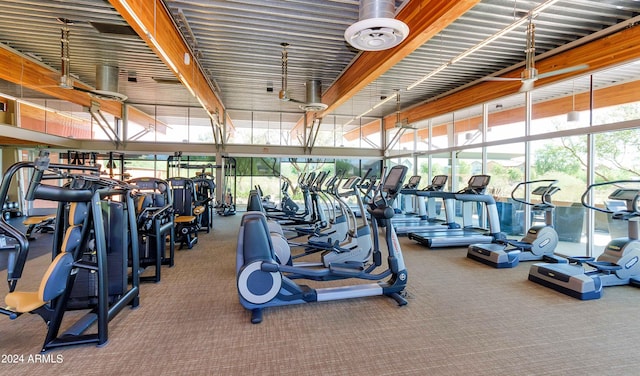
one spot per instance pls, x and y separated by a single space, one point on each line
463 318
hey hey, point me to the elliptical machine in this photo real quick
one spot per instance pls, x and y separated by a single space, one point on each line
583 278
538 244
264 282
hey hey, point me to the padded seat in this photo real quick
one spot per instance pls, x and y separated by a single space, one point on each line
52 285
38 219
184 219
54 280
42 223
187 211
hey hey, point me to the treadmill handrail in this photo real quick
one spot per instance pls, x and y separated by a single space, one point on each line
591 186
487 199
552 183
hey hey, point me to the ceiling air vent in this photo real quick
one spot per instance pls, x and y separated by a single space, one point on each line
108 28
167 80
377 29
313 97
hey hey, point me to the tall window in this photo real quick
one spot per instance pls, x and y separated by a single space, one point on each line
614 159
506 118
468 126
563 159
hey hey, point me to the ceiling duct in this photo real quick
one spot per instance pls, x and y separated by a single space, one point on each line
107 82
313 97
377 29
106 75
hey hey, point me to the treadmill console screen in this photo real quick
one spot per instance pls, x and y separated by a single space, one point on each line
624 194
479 181
394 178
540 190
439 180
413 181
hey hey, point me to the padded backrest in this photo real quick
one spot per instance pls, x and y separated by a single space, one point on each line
204 188
254 240
159 200
255 202
183 195
143 201
54 280
157 189
78 212
149 200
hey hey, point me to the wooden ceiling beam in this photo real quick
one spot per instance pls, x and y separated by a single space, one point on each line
615 49
26 72
425 18
44 79
627 92
154 24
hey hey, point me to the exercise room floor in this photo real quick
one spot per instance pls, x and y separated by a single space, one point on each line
463 318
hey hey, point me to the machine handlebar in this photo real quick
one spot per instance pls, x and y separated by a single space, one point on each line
624 194
544 195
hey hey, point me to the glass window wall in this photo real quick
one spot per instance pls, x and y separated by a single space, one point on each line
564 159
506 118
614 159
468 126
506 165
613 103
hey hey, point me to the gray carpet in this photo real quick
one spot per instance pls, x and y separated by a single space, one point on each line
463 318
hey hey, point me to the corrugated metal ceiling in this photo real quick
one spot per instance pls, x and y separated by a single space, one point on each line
238 43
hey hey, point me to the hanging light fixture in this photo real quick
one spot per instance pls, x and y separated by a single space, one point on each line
377 29
573 115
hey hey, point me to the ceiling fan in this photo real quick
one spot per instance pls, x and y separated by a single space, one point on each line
283 95
530 74
313 88
106 76
401 123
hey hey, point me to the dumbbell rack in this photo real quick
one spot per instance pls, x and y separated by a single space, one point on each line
11 209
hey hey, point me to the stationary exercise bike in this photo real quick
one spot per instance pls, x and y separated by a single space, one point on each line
264 282
538 244
583 278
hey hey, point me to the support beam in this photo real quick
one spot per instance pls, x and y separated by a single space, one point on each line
425 18
609 51
365 130
168 148
627 92
11 135
313 135
25 71
144 120
154 24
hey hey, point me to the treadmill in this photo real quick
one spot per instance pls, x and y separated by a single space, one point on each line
407 191
427 205
468 234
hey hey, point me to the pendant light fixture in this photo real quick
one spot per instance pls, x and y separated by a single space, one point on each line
573 115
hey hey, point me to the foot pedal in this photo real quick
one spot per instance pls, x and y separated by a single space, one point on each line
346 268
